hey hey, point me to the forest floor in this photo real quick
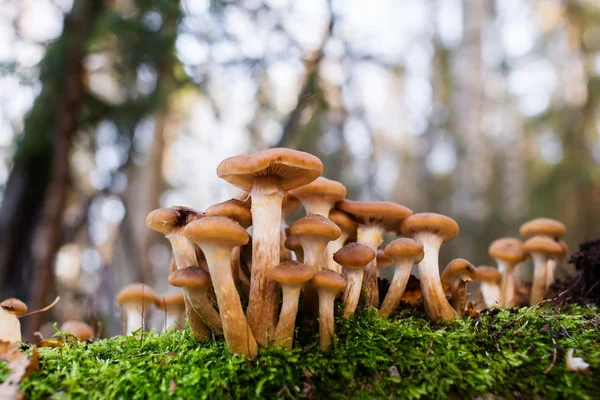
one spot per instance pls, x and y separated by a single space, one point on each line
499 354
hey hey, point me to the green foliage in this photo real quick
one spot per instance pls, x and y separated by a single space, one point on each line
404 357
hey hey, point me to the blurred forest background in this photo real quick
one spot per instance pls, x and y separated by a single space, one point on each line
482 110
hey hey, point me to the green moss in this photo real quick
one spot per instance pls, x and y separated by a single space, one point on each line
503 353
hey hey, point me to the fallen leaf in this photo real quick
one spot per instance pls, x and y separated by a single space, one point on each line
19 365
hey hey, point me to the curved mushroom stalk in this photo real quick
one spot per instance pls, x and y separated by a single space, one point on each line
508 288
456 274
199 329
354 257
538 289
199 300
329 284
372 236
396 290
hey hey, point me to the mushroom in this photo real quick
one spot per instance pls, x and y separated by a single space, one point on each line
541 248
404 253
196 283
383 261
10 327
328 284
136 299
553 262
173 304
266 175
509 254
432 230
319 196
293 243
354 257
348 228
289 206
374 219
79 329
292 276
489 279
217 236
543 227
457 274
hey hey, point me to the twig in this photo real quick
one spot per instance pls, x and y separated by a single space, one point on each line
41 310
521 328
429 348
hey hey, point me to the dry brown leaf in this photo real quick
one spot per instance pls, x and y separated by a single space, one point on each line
19 365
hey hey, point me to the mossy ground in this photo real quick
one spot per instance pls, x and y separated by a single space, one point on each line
404 357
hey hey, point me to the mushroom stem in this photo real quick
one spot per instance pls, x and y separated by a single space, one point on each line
284 334
267 198
317 207
198 328
490 292
314 258
538 289
184 251
459 296
134 319
326 320
397 287
352 292
198 298
331 248
10 327
507 286
550 270
436 304
372 236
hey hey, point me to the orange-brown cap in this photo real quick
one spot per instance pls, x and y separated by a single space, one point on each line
216 229
488 274
383 261
79 329
403 247
232 209
289 205
164 220
458 269
384 213
343 220
293 243
543 226
508 249
137 292
543 244
293 168
15 306
172 300
321 188
329 280
192 277
316 226
354 255
437 224
291 273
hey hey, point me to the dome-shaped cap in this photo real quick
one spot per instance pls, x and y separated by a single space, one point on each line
384 213
488 274
172 299
192 277
216 229
289 205
383 261
405 247
79 329
15 306
233 209
543 244
164 220
342 220
137 292
458 269
293 243
330 280
507 249
315 225
293 168
321 188
354 255
291 272
543 226
438 224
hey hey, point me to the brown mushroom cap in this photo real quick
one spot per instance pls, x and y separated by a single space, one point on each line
330 280
291 272
488 274
383 213
172 299
293 243
79 329
15 306
438 224
405 247
163 220
137 292
354 255
543 226
289 205
192 277
343 220
543 244
321 188
219 229
315 225
293 168
232 209
508 249
458 269
383 261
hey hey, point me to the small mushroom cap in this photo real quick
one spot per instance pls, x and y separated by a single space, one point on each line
232 209
384 213
458 269
137 292
317 226
293 168
437 224
291 272
164 220
404 247
343 221
383 261
192 277
289 205
79 329
15 306
543 226
330 280
543 244
217 230
508 249
354 255
293 243
172 299
321 188
488 274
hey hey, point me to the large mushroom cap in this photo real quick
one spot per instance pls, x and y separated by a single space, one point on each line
438 224
543 226
15 306
233 209
293 168
385 213
405 247
80 330
291 272
488 274
137 292
330 280
172 299
458 269
343 220
543 244
354 255
192 277
216 229
507 249
315 225
163 220
322 188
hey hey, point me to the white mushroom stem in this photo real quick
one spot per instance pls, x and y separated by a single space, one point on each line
10 327
372 236
314 258
550 272
490 292
267 198
436 304
507 285
284 334
459 296
351 297
317 206
326 320
331 249
392 298
184 250
134 317
538 289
